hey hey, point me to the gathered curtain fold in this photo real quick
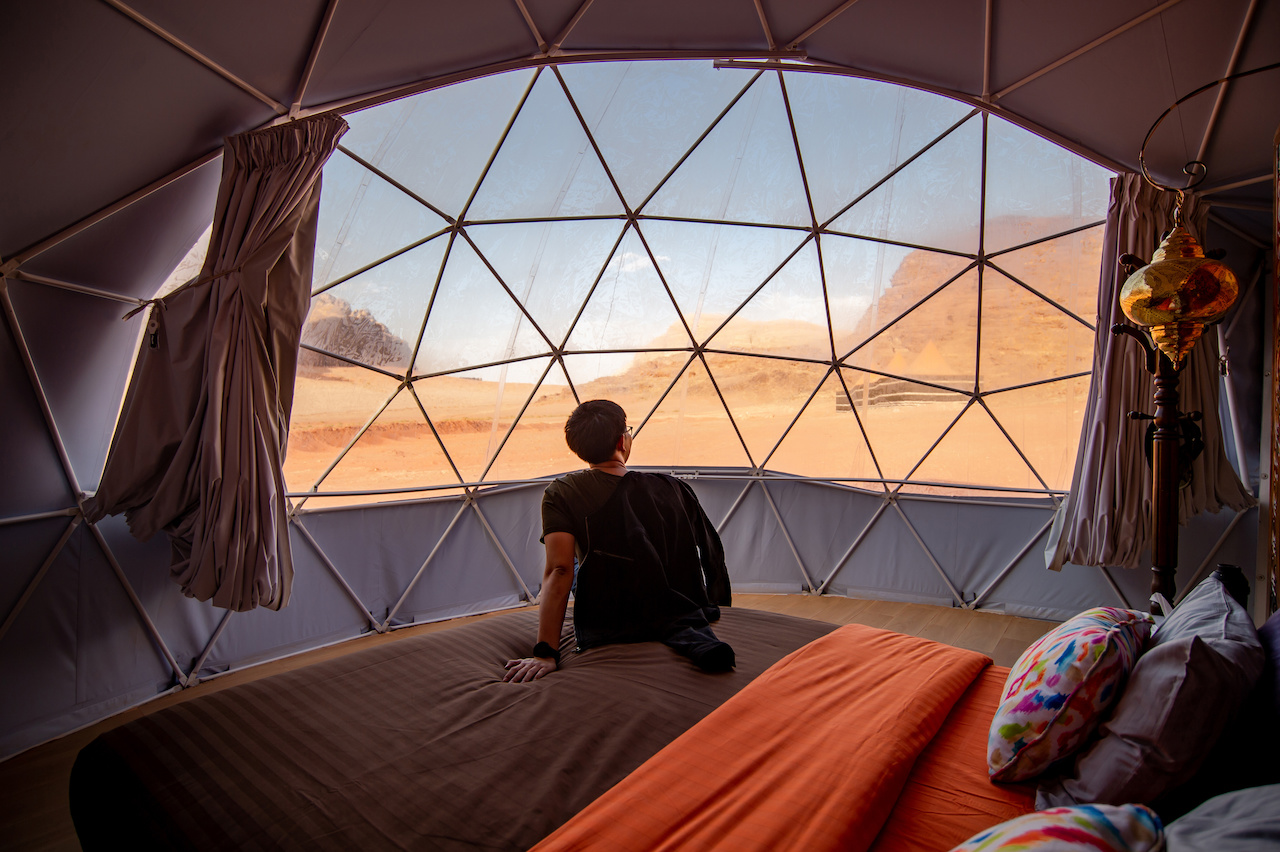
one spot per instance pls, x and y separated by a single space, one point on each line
199 446
1106 518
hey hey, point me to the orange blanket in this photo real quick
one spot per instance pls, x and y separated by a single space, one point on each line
811 755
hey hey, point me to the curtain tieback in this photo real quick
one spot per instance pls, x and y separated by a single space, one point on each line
159 300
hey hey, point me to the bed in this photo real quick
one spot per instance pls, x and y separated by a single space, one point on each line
824 737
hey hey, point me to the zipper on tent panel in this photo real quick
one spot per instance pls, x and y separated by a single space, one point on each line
808 581
1233 412
39 575
337 575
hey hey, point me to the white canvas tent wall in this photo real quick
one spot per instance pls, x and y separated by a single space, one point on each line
116 113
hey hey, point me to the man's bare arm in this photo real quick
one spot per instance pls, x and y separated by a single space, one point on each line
557 581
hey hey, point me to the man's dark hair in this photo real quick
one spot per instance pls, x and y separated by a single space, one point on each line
593 429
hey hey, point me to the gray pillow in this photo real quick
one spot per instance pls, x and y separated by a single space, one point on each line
1196 671
1244 821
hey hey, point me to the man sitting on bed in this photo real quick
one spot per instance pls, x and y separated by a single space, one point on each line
650 564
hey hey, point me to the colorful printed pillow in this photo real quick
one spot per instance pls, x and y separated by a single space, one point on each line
1084 828
1060 688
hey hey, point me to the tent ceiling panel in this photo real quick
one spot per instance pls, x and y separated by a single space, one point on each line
892 38
1250 112
1141 62
28 455
79 140
269 51
1059 31
374 46
133 251
81 382
666 24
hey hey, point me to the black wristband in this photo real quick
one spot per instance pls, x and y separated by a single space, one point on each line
544 649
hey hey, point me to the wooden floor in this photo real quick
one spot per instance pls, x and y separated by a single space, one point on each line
34 811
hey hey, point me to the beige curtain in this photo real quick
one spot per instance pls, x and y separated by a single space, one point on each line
200 443
1106 519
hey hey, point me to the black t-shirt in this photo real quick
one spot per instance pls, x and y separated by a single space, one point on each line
569 499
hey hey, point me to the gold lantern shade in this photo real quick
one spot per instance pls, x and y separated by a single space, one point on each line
1178 294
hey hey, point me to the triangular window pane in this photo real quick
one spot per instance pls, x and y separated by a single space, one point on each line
976 452
854 132
634 381
1045 422
629 309
398 451
550 266
1026 339
474 410
438 142
536 446
546 166
473 319
902 419
936 342
375 318
744 171
331 401
1063 269
826 440
712 269
788 316
646 115
689 429
764 395
867 280
934 202
1035 188
363 219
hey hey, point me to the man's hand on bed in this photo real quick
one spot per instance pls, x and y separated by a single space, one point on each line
529 668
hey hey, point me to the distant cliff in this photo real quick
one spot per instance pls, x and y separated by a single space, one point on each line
334 327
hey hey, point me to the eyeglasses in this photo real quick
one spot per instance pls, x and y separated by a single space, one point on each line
627 431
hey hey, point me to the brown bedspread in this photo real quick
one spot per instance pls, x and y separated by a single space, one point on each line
415 744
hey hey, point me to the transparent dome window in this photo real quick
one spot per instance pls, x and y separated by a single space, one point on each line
792 274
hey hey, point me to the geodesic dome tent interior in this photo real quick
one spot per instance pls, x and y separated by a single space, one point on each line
841 271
